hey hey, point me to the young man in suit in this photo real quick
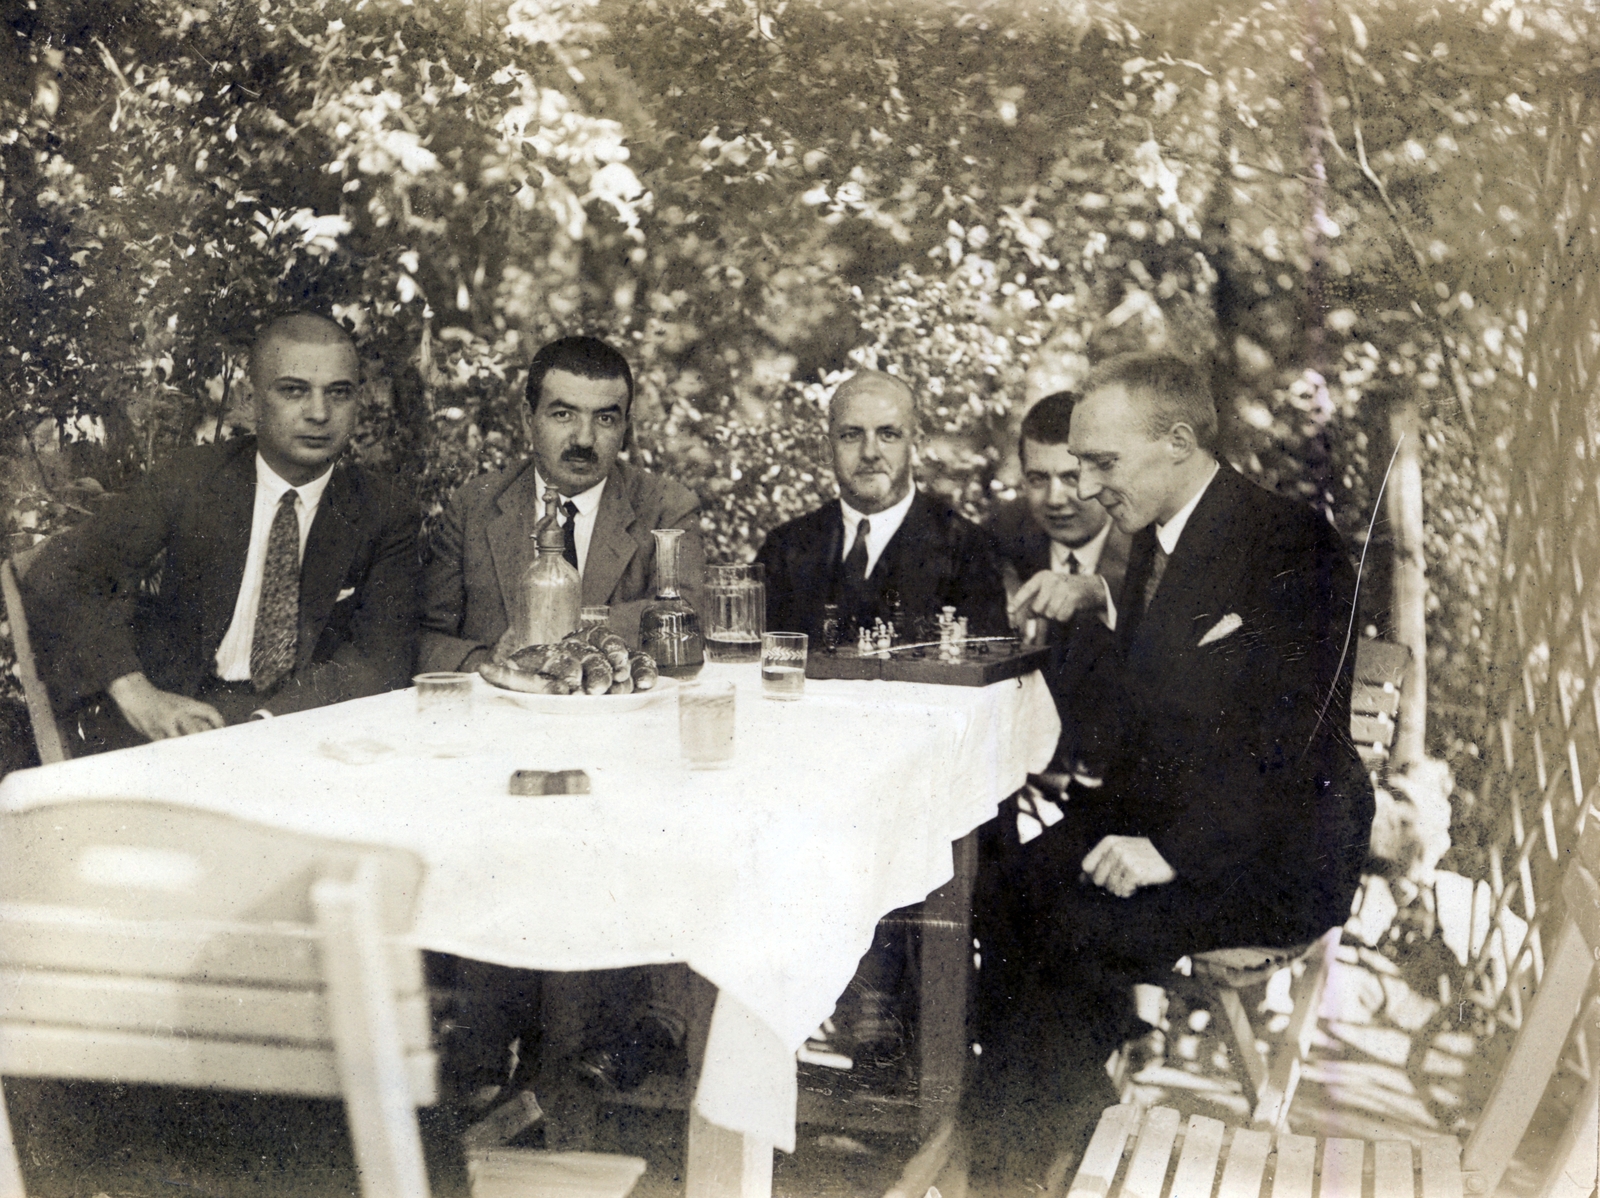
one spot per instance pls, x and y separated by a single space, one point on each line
882 538
1234 810
1049 534
289 576
580 393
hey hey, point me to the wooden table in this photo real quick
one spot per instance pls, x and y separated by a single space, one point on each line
838 809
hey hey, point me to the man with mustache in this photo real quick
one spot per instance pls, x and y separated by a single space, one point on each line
286 577
580 395
883 539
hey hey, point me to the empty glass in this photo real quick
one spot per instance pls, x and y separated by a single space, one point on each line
444 709
736 613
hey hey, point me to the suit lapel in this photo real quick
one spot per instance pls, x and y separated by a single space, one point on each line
1202 570
912 537
330 546
226 517
612 545
510 532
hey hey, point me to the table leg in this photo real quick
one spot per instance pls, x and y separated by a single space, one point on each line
946 932
725 1164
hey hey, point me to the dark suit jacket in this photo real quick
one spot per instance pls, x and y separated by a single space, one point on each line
1081 672
358 584
1235 756
935 559
484 541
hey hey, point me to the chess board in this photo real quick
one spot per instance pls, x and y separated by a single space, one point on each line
981 664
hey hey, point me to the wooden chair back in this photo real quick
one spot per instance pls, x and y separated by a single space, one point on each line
46 735
1381 668
149 942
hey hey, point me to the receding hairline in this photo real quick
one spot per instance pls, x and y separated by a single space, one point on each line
301 328
868 381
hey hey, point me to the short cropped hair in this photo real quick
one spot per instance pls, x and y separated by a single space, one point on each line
299 326
1179 392
586 357
1049 421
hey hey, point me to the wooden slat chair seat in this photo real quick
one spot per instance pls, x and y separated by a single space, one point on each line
152 943
1132 1151
1380 672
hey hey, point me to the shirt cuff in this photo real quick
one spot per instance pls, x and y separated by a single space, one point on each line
261 713
1109 616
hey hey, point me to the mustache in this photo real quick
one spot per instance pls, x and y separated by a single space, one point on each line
580 453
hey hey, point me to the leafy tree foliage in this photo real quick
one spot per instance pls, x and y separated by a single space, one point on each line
1328 203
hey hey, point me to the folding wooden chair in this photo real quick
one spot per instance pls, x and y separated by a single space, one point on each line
1132 1151
46 735
148 942
1222 977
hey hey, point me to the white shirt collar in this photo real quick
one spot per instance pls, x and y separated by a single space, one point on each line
1088 554
1169 532
880 531
587 501
273 484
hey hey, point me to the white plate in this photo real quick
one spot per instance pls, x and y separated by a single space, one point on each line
581 704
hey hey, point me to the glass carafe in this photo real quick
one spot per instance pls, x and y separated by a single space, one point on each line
669 628
549 592
736 613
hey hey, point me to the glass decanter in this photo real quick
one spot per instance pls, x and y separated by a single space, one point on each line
549 593
669 628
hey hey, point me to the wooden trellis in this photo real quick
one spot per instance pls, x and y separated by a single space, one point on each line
1544 696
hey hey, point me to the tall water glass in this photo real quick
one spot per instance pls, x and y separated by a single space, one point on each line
705 724
736 615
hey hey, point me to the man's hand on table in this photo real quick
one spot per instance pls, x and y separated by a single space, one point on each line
1123 864
159 714
1056 596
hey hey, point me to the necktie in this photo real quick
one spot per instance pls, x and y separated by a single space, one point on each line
1158 567
855 562
569 533
277 630
1072 563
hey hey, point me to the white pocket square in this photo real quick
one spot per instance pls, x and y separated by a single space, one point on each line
348 591
1227 626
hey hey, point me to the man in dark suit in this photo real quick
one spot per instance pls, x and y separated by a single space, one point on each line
580 392
882 544
883 539
288 579
1049 533
1234 810
580 395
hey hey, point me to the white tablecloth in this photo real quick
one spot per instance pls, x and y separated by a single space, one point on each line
767 878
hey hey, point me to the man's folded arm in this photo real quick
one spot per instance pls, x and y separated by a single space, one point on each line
84 587
444 596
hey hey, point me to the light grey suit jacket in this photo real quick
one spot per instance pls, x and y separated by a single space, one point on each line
484 540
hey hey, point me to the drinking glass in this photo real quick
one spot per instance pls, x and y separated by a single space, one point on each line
783 665
593 616
444 708
736 613
705 724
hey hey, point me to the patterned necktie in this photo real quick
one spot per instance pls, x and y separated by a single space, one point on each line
569 533
855 562
277 630
1158 567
